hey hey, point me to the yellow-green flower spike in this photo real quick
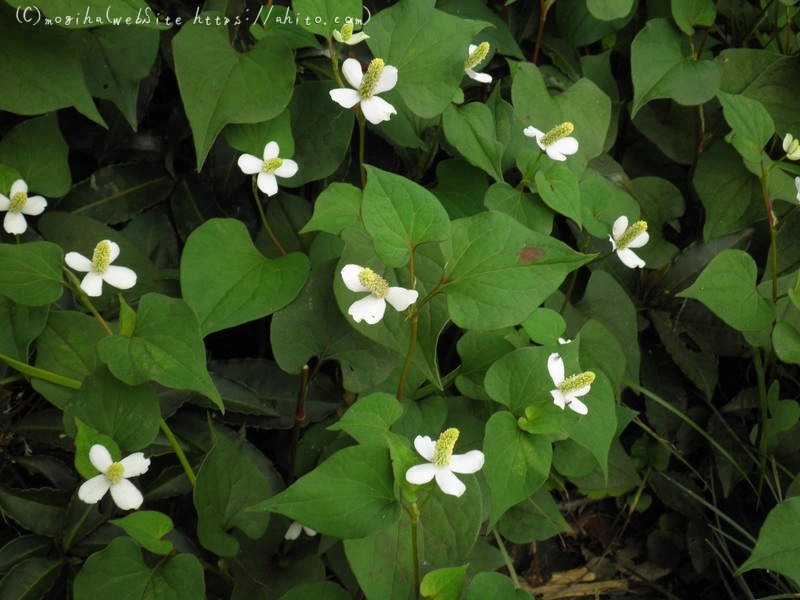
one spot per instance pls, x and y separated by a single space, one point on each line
271 165
376 284
444 447
576 382
371 78
115 473
347 31
18 201
101 257
557 133
477 55
631 233
794 146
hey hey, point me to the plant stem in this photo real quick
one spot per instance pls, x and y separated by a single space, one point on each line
526 176
10 379
509 563
763 417
84 298
264 222
539 32
299 417
574 277
37 373
362 131
334 64
773 234
176 447
412 341
414 514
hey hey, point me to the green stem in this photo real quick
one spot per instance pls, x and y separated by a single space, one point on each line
414 514
362 132
11 379
263 215
84 298
763 418
526 177
334 64
176 447
37 373
509 563
773 234
412 341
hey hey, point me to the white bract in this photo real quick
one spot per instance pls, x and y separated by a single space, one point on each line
791 146
100 269
346 35
570 388
557 142
379 78
268 169
564 341
476 56
114 476
371 308
442 463
623 238
19 204
294 531
797 185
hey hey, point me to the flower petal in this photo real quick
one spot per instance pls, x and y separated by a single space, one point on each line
287 169
293 532
351 69
377 110
578 406
369 309
345 97
113 251
471 462
78 262
338 36
531 131
387 80
619 226
471 48
18 186
100 457
401 298
481 77
564 341
5 202
425 446
267 183
35 205
449 483
121 278
92 490
357 38
135 464
553 153
797 185
640 240
92 284
555 366
420 474
630 259
350 275
787 141
558 399
271 150
15 223
249 164
567 145
126 495
309 532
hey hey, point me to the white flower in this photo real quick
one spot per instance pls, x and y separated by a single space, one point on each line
268 168
379 78
372 307
476 56
20 204
114 476
294 531
346 35
564 341
791 146
555 142
623 238
797 185
568 389
442 463
100 269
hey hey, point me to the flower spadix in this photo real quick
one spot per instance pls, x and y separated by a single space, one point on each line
18 204
568 389
477 54
623 238
442 463
268 169
379 78
557 142
791 146
114 476
100 269
345 35
372 308
294 531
